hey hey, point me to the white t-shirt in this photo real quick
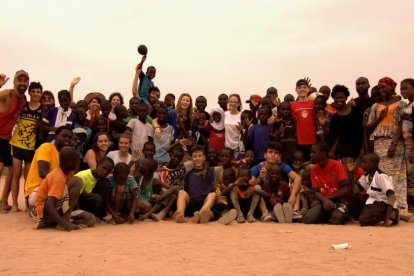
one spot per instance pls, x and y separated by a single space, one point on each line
112 116
114 155
140 133
231 132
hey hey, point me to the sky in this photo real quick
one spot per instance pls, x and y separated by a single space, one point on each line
207 47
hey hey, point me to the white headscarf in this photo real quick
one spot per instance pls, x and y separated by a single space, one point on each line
214 124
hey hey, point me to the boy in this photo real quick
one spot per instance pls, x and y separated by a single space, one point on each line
223 99
381 203
167 136
169 101
94 187
259 134
59 116
302 111
133 109
58 195
118 126
246 122
201 104
139 128
330 185
197 198
145 81
222 206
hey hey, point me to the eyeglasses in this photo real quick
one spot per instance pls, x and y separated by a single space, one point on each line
46 98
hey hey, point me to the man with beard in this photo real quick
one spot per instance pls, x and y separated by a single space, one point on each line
12 102
363 101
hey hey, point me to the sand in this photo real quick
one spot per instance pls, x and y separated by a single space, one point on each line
150 248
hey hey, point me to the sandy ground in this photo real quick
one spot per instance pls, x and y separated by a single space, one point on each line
150 248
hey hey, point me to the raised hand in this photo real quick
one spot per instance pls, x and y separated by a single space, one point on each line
3 79
75 81
308 80
321 118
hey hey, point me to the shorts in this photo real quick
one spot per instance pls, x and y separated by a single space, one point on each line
5 153
22 154
194 206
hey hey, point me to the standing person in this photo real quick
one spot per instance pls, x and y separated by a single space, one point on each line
386 121
363 101
302 111
407 92
145 81
133 109
216 129
139 128
94 106
222 101
23 141
12 102
231 125
259 133
115 99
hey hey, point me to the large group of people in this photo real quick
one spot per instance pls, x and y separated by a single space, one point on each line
305 158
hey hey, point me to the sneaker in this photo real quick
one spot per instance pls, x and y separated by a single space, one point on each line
205 216
287 210
296 215
228 217
266 217
279 213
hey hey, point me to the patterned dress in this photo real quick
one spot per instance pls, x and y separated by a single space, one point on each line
407 132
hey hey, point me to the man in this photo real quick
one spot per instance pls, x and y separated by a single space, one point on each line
330 185
363 101
45 160
12 102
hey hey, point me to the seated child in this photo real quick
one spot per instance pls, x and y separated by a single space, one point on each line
247 161
212 157
382 201
58 195
222 207
276 193
123 194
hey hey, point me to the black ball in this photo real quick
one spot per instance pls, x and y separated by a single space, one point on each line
142 50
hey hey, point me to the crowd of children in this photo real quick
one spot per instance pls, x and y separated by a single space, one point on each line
297 160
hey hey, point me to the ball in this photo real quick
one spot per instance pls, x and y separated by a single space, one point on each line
142 50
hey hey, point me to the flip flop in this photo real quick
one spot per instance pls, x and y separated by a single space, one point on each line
287 210
279 213
228 217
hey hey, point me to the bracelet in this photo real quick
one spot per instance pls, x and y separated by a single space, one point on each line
157 127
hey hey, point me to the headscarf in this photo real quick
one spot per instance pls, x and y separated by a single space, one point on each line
214 124
388 82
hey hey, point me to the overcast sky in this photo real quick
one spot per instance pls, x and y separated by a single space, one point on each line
207 47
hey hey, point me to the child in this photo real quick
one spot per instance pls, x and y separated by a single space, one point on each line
322 119
223 99
307 198
381 203
123 194
259 134
139 127
122 155
243 198
169 101
247 160
216 129
58 195
276 193
201 132
118 126
246 122
82 122
133 109
222 207
149 189
167 137
59 116
284 132
201 103
212 157
106 110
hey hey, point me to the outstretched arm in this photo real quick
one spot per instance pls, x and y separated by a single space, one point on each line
73 83
138 72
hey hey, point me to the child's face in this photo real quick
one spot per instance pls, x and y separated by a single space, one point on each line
133 105
302 90
144 169
80 114
149 151
284 111
64 102
79 138
198 159
142 112
211 154
151 72
201 103
123 112
216 116
101 125
298 159
175 159
407 91
319 105
105 112
366 164
120 179
228 178
263 115
275 175
162 115
169 101
124 144
226 157
222 101
246 121
249 156
202 119
103 169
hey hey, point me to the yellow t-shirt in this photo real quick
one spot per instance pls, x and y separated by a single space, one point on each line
88 180
46 152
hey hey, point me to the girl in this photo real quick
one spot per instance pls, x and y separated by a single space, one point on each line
97 152
122 155
216 129
231 125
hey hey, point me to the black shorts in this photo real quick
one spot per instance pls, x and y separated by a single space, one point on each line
194 206
22 154
5 154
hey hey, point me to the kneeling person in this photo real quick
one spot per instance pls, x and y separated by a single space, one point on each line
56 190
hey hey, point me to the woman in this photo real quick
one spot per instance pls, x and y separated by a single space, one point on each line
115 99
98 150
122 155
386 121
47 99
94 107
407 92
231 125
23 141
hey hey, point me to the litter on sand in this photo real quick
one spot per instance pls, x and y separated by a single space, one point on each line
340 246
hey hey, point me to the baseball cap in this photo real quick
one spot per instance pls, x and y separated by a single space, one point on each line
21 73
255 98
79 130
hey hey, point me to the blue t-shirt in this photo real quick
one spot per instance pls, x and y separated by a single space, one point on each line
198 186
285 169
130 184
259 137
144 87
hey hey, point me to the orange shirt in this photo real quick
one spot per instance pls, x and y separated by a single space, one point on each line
54 185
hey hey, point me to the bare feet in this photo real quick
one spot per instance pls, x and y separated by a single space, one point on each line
157 217
205 215
196 217
179 217
250 218
240 218
4 206
15 209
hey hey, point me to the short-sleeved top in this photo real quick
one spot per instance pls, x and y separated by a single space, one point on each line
280 196
130 184
24 135
329 179
114 155
140 132
163 144
231 132
304 114
198 184
144 87
377 187
88 181
285 169
54 185
259 136
9 118
57 117
46 152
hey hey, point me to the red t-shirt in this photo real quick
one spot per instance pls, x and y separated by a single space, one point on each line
9 118
305 125
217 139
330 179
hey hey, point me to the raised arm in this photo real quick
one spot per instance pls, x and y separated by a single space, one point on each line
138 72
73 83
3 80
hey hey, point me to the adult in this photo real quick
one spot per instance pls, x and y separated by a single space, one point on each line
386 121
407 92
12 102
145 81
97 152
231 125
115 99
363 101
23 141
153 101
94 101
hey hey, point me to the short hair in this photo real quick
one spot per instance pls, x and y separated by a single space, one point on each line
152 163
142 104
176 149
244 171
321 97
105 104
59 129
273 145
206 114
275 167
148 143
340 89
121 98
118 109
35 85
373 157
121 169
162 107
170 95
229 172
322 147
68 158
231 151
222 94
301 82
156 89
151 67
106 159
197 148
410 81
248 113
134 98
64 93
